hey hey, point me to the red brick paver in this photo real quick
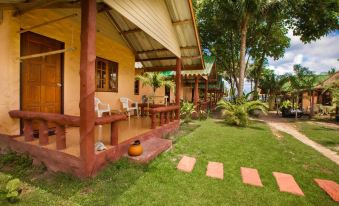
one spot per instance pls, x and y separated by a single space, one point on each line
186 164
330 187
250 176
287 183
215 170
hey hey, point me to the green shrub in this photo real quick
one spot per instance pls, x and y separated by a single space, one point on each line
237 114
186 111
9 189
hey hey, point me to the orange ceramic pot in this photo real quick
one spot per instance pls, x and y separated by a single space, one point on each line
135 149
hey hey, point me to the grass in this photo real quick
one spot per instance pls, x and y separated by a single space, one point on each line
328 137
160 183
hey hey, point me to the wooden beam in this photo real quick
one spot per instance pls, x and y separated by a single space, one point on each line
35 5
182 22
45 23
160 50
47 53
167 58
87 85
131 31
171 68
177 84
118 28
196 90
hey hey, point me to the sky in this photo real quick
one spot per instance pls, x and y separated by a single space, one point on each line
318 56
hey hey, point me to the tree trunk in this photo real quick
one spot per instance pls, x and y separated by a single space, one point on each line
244 26
257 76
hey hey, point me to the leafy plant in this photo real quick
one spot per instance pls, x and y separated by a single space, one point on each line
186 111
237 114
12 190
155 80
202 115
286 104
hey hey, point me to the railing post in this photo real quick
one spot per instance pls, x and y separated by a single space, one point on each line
177 114
171 115
161 118
153 121
114 134
28 130
167 117
43 133
60 137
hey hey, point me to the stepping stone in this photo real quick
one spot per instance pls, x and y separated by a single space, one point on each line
186 164
287 183
330 187
215 170
250 176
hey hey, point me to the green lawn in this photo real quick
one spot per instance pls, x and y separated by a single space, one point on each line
160 183
329 137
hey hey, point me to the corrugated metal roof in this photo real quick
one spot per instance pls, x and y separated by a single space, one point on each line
147 47
209 62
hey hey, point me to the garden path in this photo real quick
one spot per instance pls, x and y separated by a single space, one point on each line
281 124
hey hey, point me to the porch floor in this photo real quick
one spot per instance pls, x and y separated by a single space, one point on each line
127 130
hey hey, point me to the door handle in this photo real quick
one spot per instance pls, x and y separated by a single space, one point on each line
59 84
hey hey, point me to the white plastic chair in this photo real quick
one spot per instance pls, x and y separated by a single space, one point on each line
126 106
100 107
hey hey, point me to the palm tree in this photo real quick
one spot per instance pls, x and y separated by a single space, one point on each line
249 9
155 80
237 114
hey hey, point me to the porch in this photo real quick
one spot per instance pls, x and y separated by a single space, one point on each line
46 148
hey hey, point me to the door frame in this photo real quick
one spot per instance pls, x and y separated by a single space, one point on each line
62 65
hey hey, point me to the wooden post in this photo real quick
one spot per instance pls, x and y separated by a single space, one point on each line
196 91
312 104
153 121
114 134
171 116
178 86
167 115
60 137
87 85
28 130
43 133
161 118
206 89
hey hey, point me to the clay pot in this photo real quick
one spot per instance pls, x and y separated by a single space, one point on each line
135 149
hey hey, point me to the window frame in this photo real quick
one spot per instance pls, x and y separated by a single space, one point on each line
115 66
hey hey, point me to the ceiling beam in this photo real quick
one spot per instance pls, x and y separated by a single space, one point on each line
167 58
182 22
132 31
35 5
171 68
161 50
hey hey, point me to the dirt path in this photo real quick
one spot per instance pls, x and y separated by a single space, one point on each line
278 123
325 124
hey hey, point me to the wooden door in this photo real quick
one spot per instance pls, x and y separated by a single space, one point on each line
41 79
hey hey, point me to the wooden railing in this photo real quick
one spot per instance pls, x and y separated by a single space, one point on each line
166 113
61 122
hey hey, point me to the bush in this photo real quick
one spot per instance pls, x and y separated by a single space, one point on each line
237 114
186 111
12 189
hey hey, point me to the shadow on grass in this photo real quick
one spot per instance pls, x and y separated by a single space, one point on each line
115 179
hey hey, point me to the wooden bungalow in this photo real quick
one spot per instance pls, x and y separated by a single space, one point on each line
56 56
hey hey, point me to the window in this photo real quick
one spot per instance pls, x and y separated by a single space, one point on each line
136 87
106 75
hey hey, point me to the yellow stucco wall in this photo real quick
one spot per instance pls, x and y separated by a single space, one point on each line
10 73
109 46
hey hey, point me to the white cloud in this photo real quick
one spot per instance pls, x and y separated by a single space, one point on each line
318 56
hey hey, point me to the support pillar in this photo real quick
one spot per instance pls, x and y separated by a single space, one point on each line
178 86
206 89
87 85
196 91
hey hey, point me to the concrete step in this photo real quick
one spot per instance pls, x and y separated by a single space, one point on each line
151 149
